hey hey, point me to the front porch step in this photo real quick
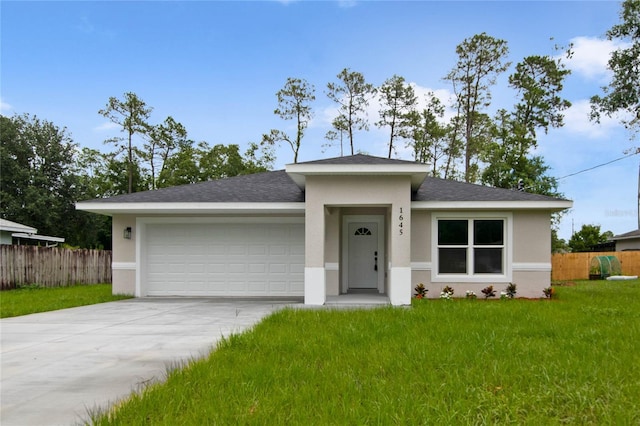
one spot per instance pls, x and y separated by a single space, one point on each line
358 300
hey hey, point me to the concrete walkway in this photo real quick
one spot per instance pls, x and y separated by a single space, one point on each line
56 367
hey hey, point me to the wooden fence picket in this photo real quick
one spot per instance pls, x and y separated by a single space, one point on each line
575 266
52 266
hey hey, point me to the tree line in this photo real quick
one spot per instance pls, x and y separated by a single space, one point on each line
44 172
472 146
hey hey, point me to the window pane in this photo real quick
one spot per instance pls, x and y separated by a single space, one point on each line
487 261
452 261
452 232
488 232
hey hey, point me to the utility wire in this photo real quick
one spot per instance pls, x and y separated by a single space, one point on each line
599 165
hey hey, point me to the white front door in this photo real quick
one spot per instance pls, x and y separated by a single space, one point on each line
364 259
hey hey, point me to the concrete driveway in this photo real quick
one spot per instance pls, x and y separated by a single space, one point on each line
58 366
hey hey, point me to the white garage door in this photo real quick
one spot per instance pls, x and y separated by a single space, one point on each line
224 259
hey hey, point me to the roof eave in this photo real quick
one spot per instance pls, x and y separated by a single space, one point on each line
110 209
549 205
38 237
299 172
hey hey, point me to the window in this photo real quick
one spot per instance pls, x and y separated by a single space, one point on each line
471 247
362 231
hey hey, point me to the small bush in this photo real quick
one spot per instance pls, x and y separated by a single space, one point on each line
446 293
421 291
549 292
488 292
511 291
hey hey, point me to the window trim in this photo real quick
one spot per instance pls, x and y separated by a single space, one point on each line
507 247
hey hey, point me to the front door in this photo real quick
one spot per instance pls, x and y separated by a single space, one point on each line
364 260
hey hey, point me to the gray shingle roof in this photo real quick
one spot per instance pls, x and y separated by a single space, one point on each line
435 189
278 187
267 187
630 234
359 159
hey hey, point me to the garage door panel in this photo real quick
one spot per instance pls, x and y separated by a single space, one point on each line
237 250
225 259
278 250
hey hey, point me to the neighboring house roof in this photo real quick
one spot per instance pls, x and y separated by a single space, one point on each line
26 232
9 226
285 188
45 238
626 235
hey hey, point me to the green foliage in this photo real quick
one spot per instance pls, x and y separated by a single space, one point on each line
538 80
132 114
623 92
480 61
162 140
352 95
586 237
524 362
33 298
192 164
434 143
293 104
558 245
398 101
40 182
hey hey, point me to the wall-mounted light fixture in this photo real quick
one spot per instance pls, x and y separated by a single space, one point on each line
127 233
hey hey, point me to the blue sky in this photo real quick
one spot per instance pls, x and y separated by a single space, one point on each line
216 66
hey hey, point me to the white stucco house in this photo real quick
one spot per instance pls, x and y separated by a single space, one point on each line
325 228
627 241
8 228
13 231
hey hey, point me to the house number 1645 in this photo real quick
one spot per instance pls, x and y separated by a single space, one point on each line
401 222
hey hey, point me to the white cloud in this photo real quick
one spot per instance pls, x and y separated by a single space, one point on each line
345 4
576 121
444 95
591 55
108 125
5 107
327 114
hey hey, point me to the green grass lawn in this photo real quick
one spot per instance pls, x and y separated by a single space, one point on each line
571 360
25 301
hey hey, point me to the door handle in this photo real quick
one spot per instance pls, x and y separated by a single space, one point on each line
375 265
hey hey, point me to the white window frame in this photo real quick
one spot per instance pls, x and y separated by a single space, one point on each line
469 277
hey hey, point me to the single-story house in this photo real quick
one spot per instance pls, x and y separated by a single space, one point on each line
8 228
326 228
627 241
13 231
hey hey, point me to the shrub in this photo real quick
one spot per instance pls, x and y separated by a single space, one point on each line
471 295
488 292
549 292
446 293
421 291
511 291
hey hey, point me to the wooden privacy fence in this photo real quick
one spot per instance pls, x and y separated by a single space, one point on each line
575 266
52 266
